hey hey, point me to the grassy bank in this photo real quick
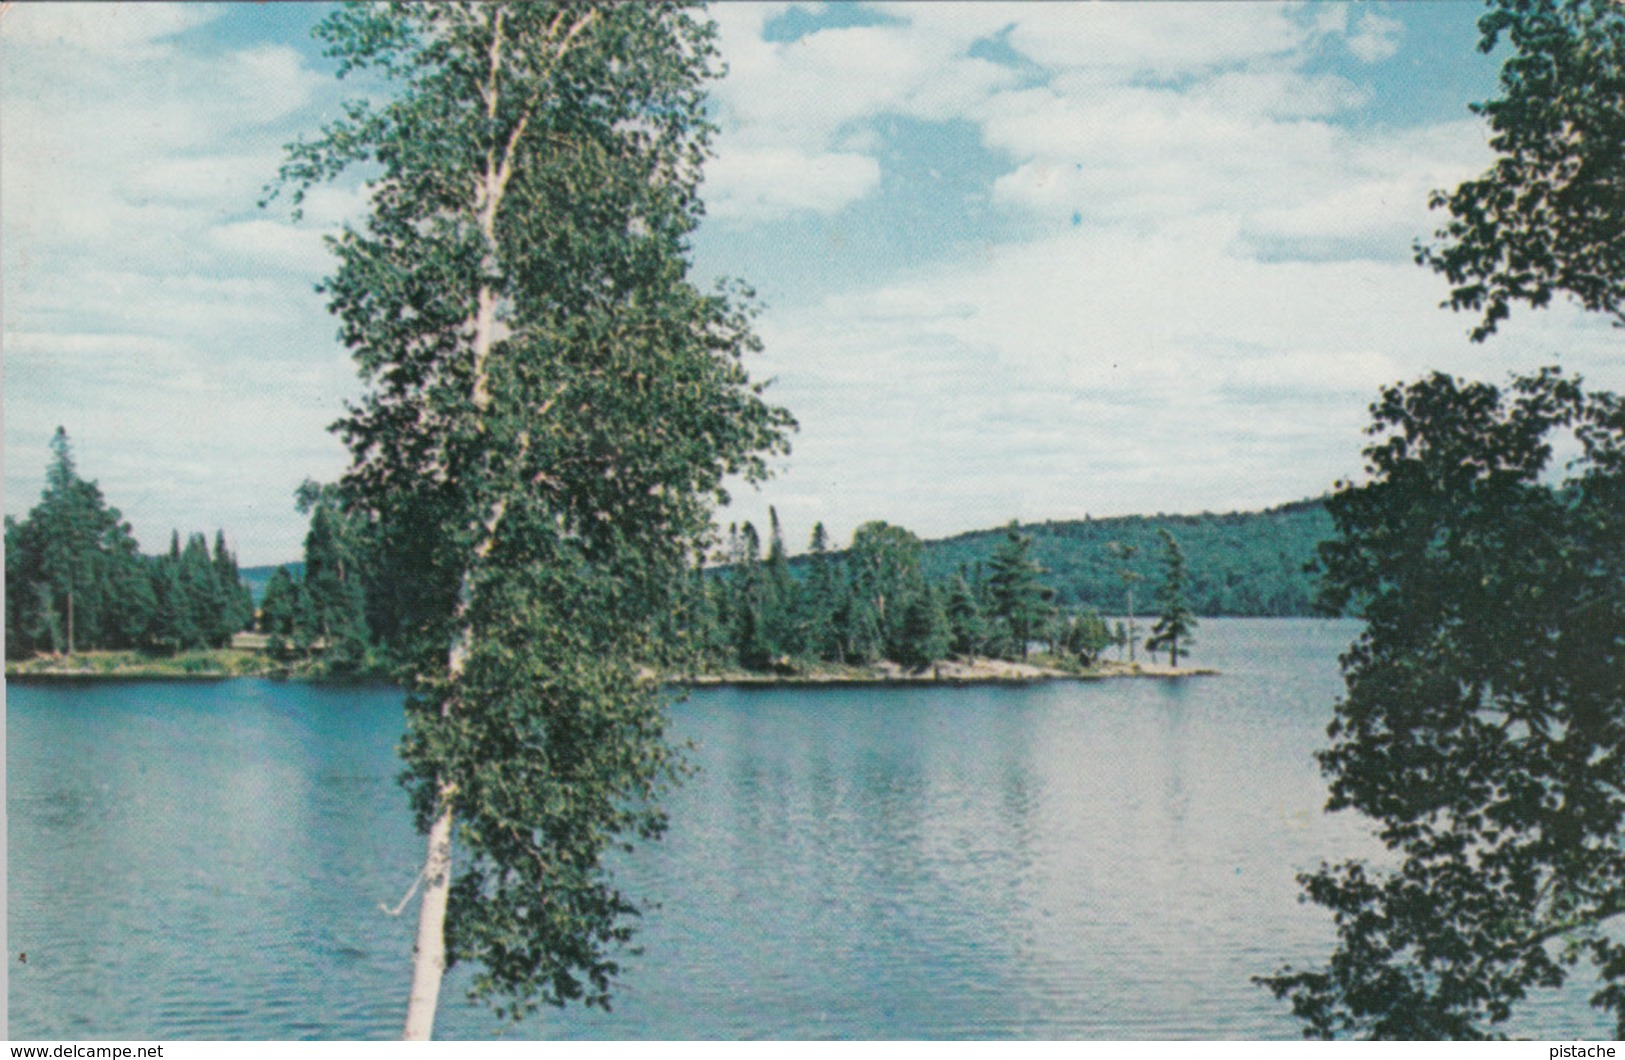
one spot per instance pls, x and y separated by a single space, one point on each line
203 665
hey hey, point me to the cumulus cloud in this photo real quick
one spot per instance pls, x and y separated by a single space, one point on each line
1375 37
766 183
149 306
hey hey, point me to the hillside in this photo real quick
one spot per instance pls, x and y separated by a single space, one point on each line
1241 563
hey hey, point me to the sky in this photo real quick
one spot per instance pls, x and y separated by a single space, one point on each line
1015 261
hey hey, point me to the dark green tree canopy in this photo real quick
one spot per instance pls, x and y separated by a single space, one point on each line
1022 603
76 580
1546 218
1484 723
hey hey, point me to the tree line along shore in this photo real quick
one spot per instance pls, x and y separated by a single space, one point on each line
85 602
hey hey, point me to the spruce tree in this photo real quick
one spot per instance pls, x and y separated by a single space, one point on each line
820 600
333 610
236 602
780 595
1175 620
925 637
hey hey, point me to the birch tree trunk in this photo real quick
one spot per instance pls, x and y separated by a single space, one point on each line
536 208
429 951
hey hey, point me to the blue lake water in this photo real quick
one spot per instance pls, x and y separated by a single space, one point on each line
1081 860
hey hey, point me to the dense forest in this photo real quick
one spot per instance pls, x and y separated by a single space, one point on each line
875 601
1244 564
886 596
76 579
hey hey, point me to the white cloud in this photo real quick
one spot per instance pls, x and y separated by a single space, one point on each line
149 307
1123 109
755 185
1109 371
1375 38
1168 40
119 31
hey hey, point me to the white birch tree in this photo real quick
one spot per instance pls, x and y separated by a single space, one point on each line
551 412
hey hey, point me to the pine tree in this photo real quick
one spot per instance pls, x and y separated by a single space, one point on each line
820 600
1175 620
236 602
279 612
967 629
780 596
73 569
1021 601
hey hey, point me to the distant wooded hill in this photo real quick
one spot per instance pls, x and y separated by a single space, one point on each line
1248 564
257 578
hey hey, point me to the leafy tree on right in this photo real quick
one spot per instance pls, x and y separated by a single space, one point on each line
1546 218
1484 721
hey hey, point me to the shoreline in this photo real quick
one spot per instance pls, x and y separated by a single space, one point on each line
954 673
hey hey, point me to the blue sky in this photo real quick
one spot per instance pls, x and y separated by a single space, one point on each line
1017 261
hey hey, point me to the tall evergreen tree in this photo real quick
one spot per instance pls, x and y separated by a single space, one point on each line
71 567
552 408
820 600
1175 620
236 602
1022 603
333 610
967 628
780 595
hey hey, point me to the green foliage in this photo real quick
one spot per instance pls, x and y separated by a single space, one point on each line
924 636
551 411
331 605
1546 217
1021 601
1085 637
76 579
1484 723
279 613
1175 623
968 634
872 603
884 565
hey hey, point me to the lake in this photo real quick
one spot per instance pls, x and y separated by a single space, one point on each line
1073 860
